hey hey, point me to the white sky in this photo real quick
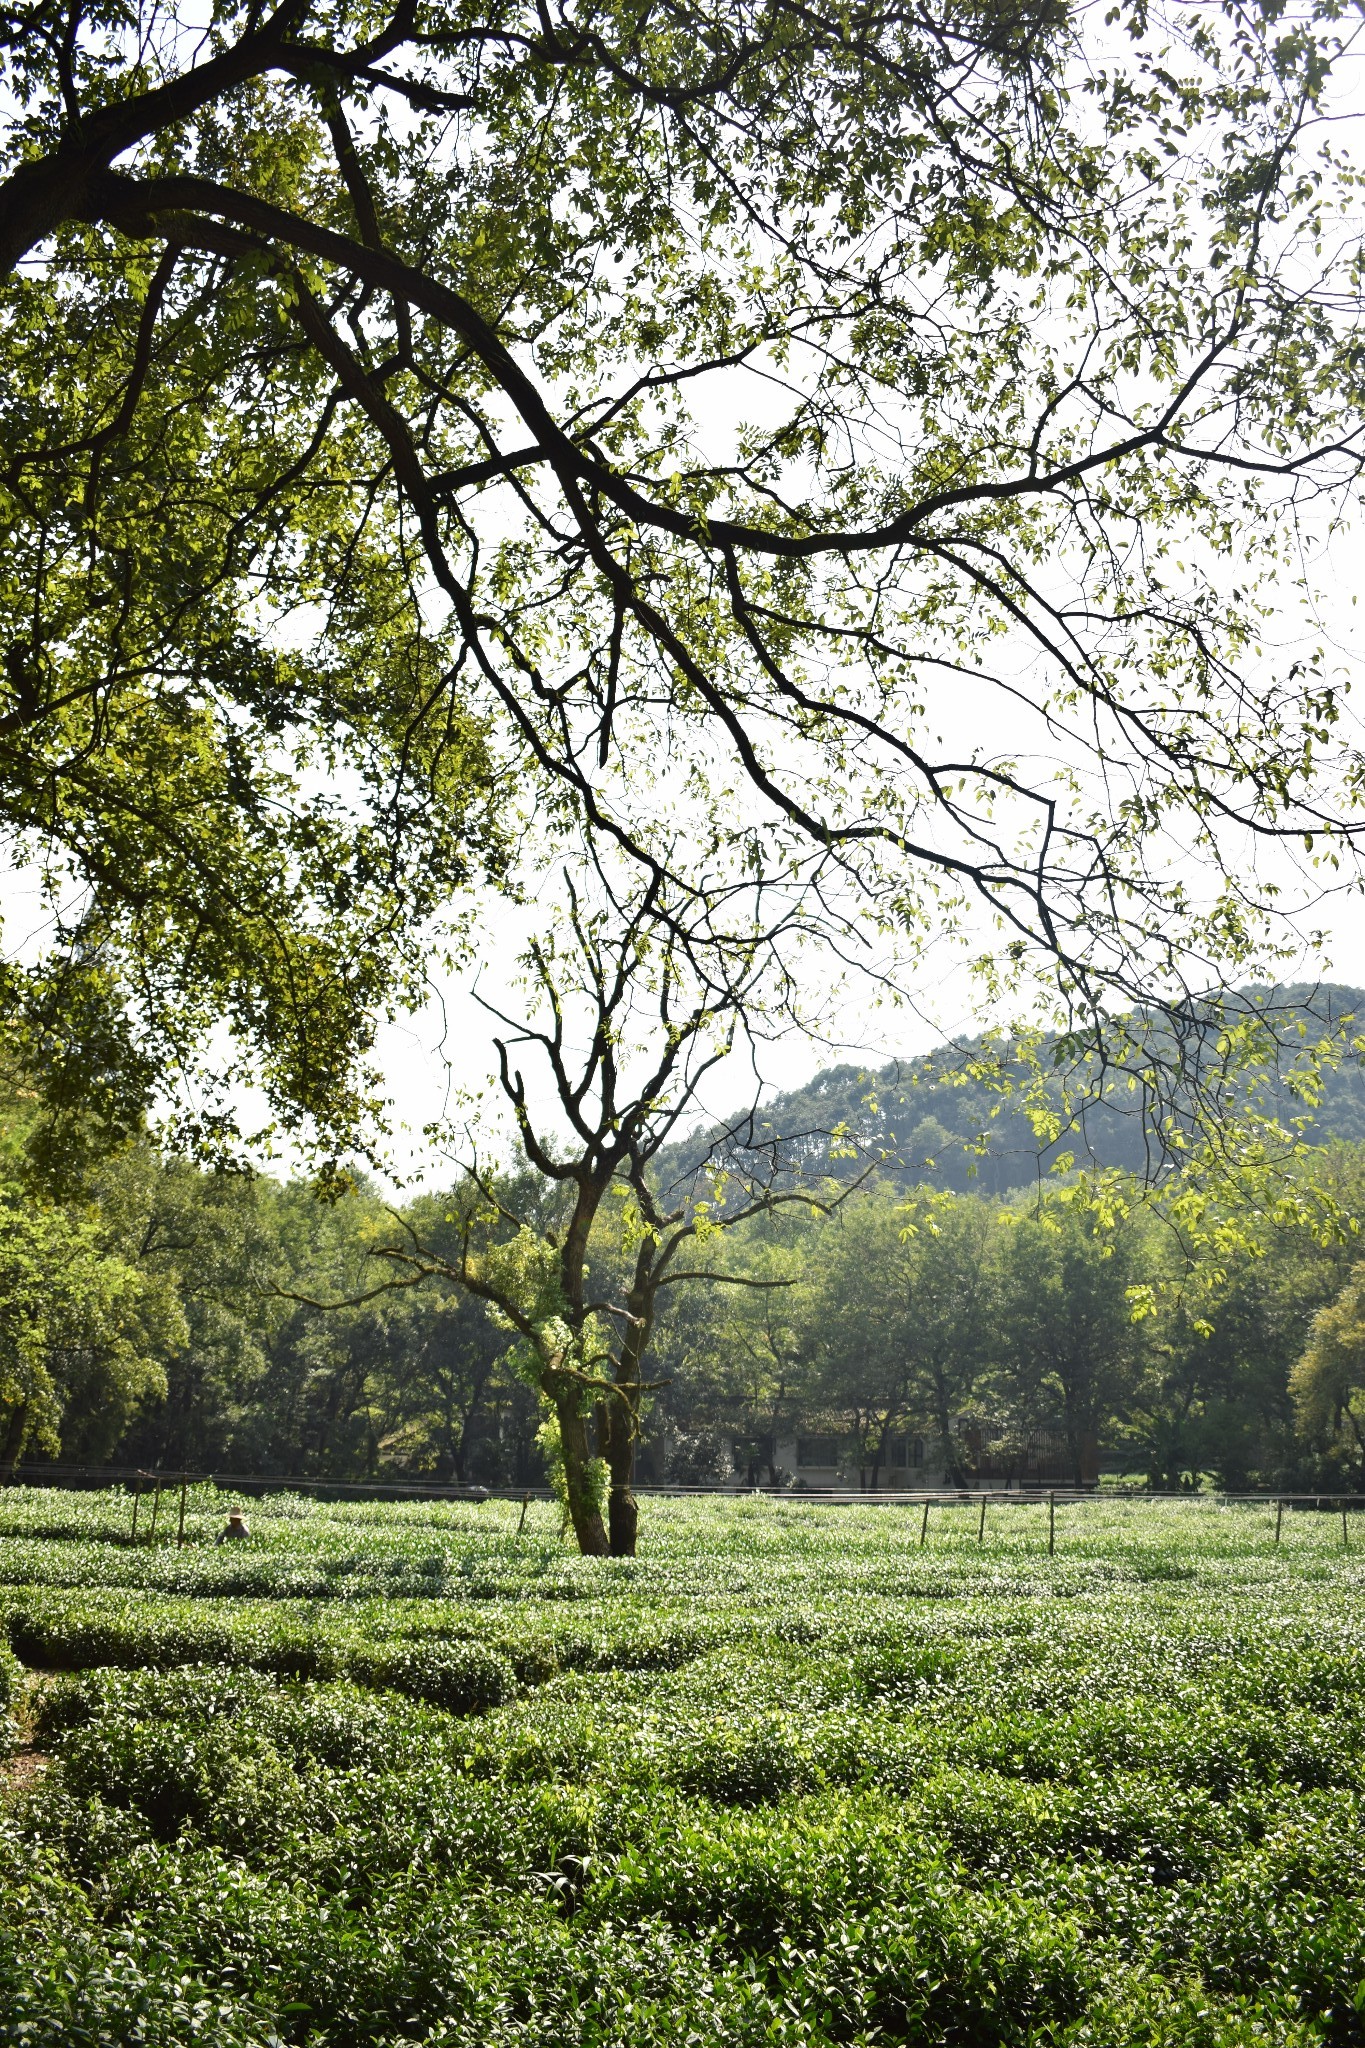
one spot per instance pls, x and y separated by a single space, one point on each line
431 1059
449 1046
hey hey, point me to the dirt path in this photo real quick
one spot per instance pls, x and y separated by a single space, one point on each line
28 1761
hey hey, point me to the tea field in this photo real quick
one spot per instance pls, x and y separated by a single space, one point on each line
402 1774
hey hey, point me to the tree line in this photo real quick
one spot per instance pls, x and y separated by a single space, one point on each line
166 1315
1079 1316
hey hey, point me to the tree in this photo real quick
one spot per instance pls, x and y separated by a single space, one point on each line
364 378
632 1003
1236 1260
903 1309
213 1240
80 1329
1071 1342
1328 1382
258 1378
438 1386
743 1353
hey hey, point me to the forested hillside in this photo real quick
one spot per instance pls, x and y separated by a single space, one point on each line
956 1118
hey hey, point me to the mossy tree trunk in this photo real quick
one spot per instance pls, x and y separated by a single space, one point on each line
580 1486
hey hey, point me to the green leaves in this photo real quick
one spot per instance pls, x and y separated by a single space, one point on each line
77 1321
1328 1381
212 692
786 1776
465 412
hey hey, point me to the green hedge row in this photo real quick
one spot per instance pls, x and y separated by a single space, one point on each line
462 1677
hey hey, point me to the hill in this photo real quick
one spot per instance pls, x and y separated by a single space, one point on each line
936 1122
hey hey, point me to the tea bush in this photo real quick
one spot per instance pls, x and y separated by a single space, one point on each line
464 1678
786 1778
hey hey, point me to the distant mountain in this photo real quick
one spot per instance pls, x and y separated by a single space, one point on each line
938 1125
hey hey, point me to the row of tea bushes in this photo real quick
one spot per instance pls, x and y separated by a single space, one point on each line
361 1875
787 1780
748 1540
462 1676
1010 1655
68 1630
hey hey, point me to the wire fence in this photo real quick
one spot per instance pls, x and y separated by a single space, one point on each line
150 1486
260 1484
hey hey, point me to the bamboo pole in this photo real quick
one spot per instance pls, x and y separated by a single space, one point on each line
1279 1517
156 1509
525 1503
981 1529
924 1525
137 1495
180 1532
1051 1524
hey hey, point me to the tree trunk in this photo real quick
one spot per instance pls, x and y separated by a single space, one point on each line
584 1512
1071 1425
621 1417
617 1428
623 1512
952 1463
14 1434
778 1399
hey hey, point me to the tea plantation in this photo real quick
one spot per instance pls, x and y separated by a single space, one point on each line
407 1774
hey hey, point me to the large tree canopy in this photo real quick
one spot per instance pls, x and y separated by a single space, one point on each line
881 422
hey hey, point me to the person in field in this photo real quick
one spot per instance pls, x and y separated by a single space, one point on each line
236 1530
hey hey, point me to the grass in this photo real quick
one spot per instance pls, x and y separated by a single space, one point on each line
400 1774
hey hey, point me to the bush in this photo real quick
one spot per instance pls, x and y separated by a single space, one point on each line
75 1635
740 1766
464 1678
783 1778
700 1457
231 1785
64 1980
194 1693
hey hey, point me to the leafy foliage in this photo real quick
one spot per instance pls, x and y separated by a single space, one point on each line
785 1775
80 1325
391 399
1328 1382
177 1319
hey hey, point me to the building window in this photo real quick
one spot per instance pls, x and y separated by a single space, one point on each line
895 1453
917 1450
817 1450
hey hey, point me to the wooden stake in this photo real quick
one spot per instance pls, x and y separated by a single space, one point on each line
525 1503
1051 1524
1279 1517
924 1525
180 1532
981 1531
